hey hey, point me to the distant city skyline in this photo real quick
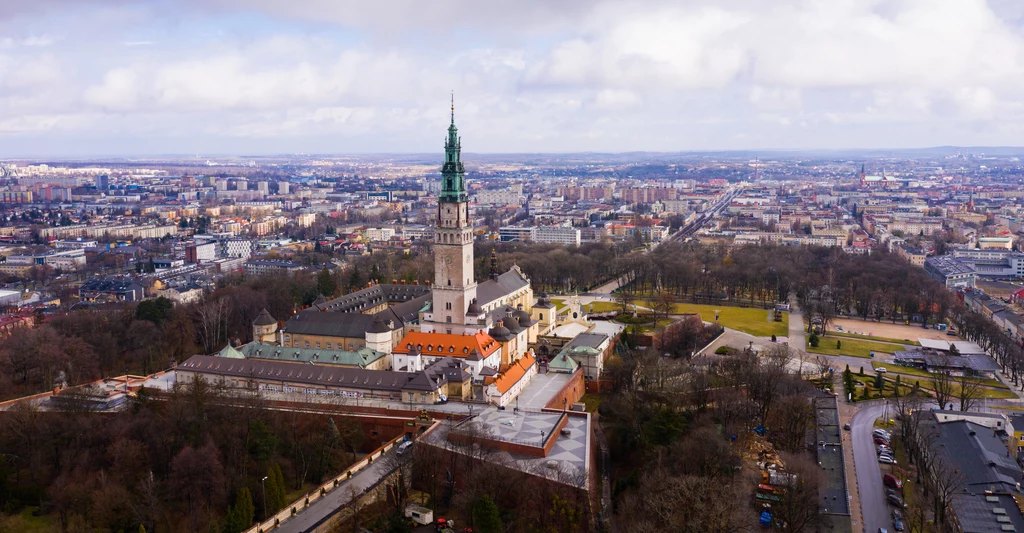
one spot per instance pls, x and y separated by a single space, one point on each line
260 77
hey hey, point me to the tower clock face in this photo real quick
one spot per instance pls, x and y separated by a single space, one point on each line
448 261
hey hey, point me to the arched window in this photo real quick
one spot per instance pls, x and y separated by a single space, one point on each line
541 315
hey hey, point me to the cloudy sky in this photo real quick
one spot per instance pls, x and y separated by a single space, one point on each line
124 77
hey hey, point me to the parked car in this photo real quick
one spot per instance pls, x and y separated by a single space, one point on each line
897 514
897 524
882 433
885 459
404 446
893 482
884 449
893 499
883 442
846 426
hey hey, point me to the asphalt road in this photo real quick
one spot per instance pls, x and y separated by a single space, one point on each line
875 511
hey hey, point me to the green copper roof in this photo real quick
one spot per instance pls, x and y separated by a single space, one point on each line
230 352
453 174
360 358
563 362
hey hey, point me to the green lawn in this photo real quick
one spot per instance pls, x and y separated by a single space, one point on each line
25 522
917 372
592 401
872 338
906 386
559 302
602 307
852 347
748 320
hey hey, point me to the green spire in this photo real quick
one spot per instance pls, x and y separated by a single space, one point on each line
453 175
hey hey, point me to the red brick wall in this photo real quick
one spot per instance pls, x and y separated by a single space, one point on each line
597 387
573 390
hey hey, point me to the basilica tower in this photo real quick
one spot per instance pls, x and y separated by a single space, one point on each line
454 287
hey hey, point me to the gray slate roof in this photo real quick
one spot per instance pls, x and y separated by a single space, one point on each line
317 375
353 324
493 289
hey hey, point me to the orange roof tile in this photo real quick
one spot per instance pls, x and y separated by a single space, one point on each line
444 344
515 372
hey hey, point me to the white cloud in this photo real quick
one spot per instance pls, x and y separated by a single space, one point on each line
533 75
120 91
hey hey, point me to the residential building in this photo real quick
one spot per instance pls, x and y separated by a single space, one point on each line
259 267
556 235
111 290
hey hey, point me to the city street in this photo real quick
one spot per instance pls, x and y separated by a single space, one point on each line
874 510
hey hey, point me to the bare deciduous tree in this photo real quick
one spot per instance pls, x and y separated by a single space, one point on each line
944 387
968 390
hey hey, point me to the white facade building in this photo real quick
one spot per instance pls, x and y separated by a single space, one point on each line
556 235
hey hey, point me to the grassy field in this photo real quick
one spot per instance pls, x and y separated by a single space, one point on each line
872 338
602 307
25 522
592 401
559 302
852 347
748 320
918 373
906 386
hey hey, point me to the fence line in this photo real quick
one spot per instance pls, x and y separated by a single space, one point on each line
306 500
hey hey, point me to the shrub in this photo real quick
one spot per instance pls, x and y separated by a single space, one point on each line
839 345
813 340
773 338
722 350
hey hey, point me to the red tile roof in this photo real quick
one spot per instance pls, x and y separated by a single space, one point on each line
514 373
451 345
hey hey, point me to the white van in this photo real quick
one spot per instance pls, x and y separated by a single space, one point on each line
404 446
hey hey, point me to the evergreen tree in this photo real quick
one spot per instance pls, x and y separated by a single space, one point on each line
240 516
879 382
278 497
486 518
867 392
862 370
896 389
325 282
839 344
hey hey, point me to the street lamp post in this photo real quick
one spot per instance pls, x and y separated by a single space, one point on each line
263 483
